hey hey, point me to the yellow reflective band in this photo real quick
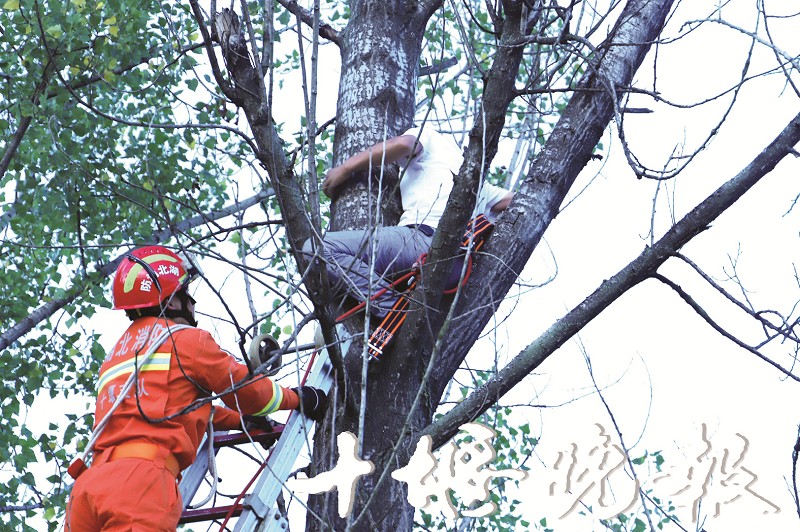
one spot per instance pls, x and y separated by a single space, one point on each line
130 279
157 362
275 402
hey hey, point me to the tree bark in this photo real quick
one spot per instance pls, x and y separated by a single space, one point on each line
400 403
380 49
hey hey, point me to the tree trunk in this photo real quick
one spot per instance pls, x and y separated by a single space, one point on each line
549 179
374 106
380 49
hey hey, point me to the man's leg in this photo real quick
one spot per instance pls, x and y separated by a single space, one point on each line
349 254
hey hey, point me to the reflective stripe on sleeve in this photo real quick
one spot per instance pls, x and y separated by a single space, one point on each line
274 404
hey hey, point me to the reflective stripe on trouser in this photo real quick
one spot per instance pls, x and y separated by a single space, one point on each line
130 495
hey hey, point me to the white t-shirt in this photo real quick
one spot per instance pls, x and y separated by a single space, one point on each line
428 180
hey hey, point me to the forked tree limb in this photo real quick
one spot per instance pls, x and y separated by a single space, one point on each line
640 269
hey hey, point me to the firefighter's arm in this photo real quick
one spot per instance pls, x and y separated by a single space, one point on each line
216 370
389 151
260 396
227 419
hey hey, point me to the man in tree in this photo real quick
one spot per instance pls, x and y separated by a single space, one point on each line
429 161
153 401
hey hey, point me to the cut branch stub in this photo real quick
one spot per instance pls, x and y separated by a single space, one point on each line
226 29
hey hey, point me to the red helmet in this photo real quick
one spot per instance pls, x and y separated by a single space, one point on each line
149 275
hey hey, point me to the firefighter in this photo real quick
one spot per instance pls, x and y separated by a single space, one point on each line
153 433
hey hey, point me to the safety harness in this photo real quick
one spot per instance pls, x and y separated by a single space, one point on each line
79 465
380 339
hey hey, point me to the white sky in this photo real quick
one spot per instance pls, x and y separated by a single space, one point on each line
667 371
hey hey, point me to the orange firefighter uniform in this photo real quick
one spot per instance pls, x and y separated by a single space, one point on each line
156 430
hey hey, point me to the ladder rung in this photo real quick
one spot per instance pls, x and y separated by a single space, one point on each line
238 438
209 514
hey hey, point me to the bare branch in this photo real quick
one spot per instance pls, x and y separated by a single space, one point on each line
786 330
326 31
703 314
21 508
83 283
795 454
550 177
641 268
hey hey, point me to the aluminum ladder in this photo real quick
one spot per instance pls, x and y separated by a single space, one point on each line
259 511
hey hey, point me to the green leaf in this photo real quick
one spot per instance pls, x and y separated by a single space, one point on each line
55 31
284 17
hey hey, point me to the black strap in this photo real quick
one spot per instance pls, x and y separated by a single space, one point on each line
426 230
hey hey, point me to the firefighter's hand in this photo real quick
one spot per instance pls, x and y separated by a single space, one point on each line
313 402
259 423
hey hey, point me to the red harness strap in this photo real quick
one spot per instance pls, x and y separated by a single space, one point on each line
376 295
474 237
381 337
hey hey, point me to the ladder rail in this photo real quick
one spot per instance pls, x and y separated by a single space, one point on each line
260 504
259 508
193 475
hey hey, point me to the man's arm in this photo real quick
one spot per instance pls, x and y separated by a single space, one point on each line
503 204
390 151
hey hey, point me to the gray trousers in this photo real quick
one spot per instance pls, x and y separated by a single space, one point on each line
348 256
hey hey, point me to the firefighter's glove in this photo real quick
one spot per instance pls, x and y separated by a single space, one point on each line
263 423
313 402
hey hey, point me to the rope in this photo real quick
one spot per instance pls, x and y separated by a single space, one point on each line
212 462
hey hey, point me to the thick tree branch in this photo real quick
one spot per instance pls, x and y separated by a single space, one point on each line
551 175
251 96
428 313
208 42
